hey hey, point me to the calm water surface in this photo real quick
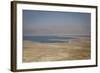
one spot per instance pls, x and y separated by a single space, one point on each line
48 39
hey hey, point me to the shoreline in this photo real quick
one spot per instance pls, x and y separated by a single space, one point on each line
77 49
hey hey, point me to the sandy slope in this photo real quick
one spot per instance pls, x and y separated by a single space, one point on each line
73 50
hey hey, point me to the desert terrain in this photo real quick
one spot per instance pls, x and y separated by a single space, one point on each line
76 49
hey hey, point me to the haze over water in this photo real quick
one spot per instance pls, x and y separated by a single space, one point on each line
55 23
56 36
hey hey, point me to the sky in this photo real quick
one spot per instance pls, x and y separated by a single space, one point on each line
55 23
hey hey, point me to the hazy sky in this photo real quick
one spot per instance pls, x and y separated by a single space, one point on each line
59 23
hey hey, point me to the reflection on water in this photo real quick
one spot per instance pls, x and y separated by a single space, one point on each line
48 39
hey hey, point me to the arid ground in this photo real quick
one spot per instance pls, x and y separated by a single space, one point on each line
76 49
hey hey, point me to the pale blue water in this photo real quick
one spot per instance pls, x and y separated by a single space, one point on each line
48 39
